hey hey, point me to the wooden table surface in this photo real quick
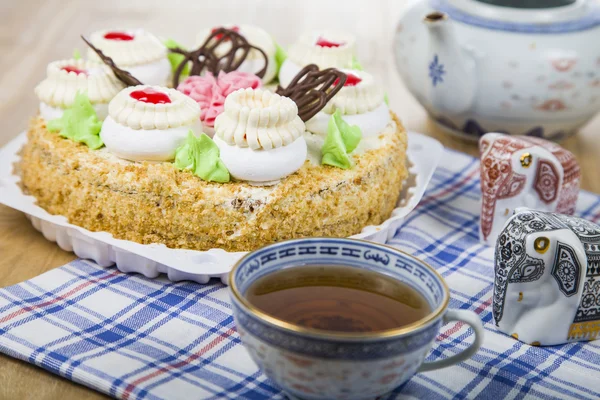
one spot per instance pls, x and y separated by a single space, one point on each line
33 33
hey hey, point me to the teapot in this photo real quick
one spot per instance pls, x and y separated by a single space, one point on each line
520 67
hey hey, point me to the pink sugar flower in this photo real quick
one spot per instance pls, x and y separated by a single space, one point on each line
210 92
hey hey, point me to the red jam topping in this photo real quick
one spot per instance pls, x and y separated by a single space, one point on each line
351 80
123 36
328 43
150 95
220 35
70 68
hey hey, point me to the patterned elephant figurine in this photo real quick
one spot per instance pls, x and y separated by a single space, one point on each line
523 171
547 278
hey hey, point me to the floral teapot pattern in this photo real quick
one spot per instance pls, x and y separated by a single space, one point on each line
478 67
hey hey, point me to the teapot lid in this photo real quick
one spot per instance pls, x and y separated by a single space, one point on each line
524 16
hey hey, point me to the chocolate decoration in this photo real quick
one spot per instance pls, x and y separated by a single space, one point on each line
121 75
206 58
311 89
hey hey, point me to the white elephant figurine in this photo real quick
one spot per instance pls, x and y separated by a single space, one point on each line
547 278
523 171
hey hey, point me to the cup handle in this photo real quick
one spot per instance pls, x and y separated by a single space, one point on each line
471 319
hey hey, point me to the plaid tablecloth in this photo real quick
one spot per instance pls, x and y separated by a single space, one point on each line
135 338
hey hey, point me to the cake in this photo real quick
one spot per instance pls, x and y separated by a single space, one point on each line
269 171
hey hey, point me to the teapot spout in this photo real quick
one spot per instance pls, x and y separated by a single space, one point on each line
451 68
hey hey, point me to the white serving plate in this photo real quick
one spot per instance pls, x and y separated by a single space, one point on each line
199 266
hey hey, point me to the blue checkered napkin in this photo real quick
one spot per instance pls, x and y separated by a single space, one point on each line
135 338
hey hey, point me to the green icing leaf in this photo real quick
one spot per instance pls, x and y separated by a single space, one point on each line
385 98
79 123
341 140
184 158
356 64
76 54
280 56
201 156
176 59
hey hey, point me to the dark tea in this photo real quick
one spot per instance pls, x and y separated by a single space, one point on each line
337 298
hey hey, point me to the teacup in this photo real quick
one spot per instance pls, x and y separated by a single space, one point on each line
314 364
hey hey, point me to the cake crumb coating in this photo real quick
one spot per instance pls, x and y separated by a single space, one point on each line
156 203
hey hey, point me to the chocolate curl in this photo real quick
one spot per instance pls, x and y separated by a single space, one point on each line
121 75
311 89
206 58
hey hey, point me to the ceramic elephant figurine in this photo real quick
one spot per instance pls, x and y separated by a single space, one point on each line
547 278
523 171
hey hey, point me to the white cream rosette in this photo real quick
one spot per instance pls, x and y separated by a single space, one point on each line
260 136
360 98
258 119
362 104
139 130
144 56
65 78
306 51
144 48
135 114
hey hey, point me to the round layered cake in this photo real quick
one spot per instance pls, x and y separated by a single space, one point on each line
219 161
156 203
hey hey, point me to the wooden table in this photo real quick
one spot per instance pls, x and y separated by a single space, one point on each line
33 33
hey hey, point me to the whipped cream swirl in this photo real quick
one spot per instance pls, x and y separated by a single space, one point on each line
361 102
260 136
357 98
324 48
65 78
139 47
181 110
148 123
327 49
258 119
139 52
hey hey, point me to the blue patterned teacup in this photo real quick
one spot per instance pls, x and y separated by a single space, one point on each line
313 364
